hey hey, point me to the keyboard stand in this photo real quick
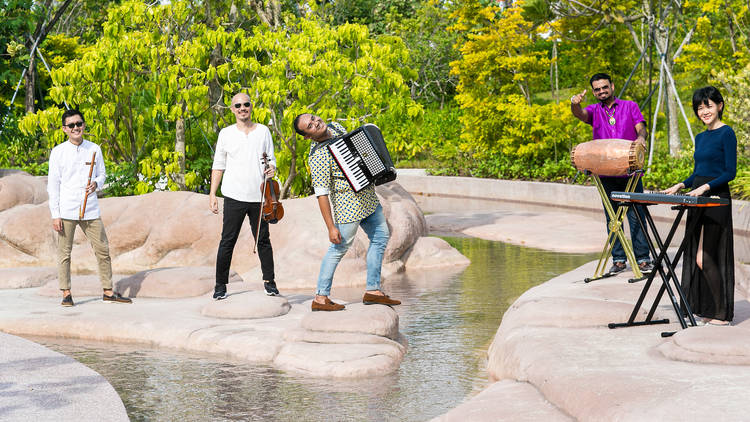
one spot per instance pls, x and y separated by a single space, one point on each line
615 231
666 276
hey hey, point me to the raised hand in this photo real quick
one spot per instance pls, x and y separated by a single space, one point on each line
576 99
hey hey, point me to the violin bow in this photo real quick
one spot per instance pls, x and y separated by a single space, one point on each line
82 210
262 200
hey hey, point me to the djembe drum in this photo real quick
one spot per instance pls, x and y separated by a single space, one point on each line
611 157
608 157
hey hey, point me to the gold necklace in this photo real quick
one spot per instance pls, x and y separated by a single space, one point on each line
612 120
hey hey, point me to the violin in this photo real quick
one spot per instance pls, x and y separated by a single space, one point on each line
271 210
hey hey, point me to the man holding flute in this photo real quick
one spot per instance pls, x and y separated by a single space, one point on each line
76 171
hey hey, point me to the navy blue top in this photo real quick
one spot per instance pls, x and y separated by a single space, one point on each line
715 156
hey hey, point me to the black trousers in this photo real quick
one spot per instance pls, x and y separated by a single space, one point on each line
710 291
234 215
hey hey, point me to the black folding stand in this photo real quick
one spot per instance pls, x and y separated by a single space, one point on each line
666 277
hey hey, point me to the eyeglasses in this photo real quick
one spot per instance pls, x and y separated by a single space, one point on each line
76 124
238 105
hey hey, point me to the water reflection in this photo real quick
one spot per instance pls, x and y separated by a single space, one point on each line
448 321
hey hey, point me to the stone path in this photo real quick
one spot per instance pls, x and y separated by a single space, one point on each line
37 384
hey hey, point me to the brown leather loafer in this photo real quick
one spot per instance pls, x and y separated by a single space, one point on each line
328 306
371 299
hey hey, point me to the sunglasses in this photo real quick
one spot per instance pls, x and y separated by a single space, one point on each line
238 105
72 125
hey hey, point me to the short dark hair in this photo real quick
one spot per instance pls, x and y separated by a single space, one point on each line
295 124
70 113
598 77
702 95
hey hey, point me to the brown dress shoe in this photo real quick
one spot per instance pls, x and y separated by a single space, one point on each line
328 306
371 299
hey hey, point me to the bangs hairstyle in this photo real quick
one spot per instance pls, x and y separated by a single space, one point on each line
70 113
702 95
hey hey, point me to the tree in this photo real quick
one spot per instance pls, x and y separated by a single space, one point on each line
146 82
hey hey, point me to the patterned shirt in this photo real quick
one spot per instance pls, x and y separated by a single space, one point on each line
328 179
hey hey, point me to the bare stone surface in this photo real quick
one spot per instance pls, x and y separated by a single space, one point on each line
555 338
171 229
22 188
24 277
339 360
379 320
41 385
80 285
247 305
233 328
433 252
506 401
172 282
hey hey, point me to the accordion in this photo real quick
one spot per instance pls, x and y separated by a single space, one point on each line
363 158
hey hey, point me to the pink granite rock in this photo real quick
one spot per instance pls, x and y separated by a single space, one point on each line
356 318
171 229
172 282
80 285
23 277
506 400
247 305
22 188
432 253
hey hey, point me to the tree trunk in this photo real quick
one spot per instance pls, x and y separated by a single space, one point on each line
40 33
179 147
675 146
30 81
292 144
215 90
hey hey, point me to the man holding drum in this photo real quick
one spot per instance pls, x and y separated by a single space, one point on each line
613 118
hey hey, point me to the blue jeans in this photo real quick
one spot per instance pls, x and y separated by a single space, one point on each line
377 230
640 246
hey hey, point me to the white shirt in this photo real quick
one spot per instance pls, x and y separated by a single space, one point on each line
240 156
68 174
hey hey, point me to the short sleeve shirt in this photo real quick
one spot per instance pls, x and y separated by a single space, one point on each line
328 179
626 115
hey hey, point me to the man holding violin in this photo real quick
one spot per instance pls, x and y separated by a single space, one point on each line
238 166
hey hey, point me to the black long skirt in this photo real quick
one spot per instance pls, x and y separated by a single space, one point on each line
710 291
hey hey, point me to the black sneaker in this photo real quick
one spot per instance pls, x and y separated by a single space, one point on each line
116 298
271 289
646 267
220 291
617 268
67 301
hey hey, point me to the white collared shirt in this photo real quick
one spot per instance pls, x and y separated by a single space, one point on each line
68 173
240 156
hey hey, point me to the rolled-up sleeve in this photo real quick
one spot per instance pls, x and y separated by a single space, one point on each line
220 156
320 172
53 184
101 172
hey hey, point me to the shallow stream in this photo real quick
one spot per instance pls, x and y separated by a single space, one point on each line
449 321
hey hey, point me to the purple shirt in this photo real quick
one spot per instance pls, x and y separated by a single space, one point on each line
626 114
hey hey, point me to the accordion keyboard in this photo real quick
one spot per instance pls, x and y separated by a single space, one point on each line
347 161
